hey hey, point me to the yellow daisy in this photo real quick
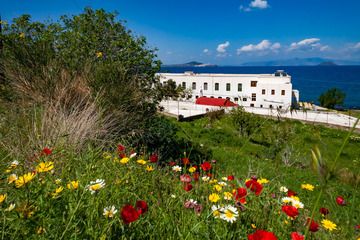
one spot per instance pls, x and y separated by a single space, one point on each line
12 178
149 168
329 225
214 197
307 186
124 160
192 169
73 185
141 161
45 167
2 197
22 180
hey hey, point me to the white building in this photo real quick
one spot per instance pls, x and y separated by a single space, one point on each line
250 90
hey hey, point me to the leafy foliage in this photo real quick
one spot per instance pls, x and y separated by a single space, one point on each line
332 98
246 123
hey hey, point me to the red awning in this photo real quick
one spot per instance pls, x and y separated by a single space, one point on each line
215 102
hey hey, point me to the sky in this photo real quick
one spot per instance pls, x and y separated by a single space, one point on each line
227 32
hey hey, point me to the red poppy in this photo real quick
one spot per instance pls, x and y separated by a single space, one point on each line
254 186
262 235
46 151
340 201
196 176
185 161
291 211
120 148
206 166
188 187
129 214
122 155
314 226
141 206
291 193
324 211
230 178
209 175
296 236
185 178
172 163
240 195
154 158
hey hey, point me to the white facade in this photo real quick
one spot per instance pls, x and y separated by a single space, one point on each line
249 90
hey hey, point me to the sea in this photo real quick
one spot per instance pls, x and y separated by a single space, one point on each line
311 81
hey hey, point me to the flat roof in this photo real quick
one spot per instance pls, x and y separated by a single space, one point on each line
222 75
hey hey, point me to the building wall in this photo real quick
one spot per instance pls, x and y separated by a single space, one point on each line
267 82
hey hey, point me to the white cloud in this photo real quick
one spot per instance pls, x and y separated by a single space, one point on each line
306 44
262 4
221 48
264 45
245 9
206 50
324 48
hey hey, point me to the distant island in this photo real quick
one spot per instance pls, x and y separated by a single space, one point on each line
191 64
314 61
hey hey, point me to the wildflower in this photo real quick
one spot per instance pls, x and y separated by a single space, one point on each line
295 198
291 211
291 193
188 187
185 178
262 181
109 212
22 35
216 211
297 204
230 214
217 188
46 151
95 186
262 235
329 225
192 169
124 160
45 167
196 176
14 164
340 201
10 208
313 226
286 200
205 178
141 206
129 214
228 195
73 185
22 180
58 181
240 195
307 186
190 203
284 189
154 158
213 181
99 54
253 226
133 155
141 161
2 197
172 163
149 168
254 186
176 168
198 209
223 184
230 178
324 211
214 197
12 178
205 166
40 230
296 236
120 148
185 161
57 191
173 196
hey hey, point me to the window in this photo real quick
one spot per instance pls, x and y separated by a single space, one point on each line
212 97
272 92
283 92
280 107
197 97
227 98
193 85
263 92
253 83
253 97
184 84
270 106
252 105
244 99
228 87
205 86
239 87
261 105
216 86
236 99
219 97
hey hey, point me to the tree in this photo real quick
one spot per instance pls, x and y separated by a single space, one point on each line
120 66
331 98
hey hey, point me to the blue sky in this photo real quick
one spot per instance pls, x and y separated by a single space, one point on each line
224 32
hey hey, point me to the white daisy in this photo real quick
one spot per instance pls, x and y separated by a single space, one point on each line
95 186
176 168
229 214
284 189
205 178
110 212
